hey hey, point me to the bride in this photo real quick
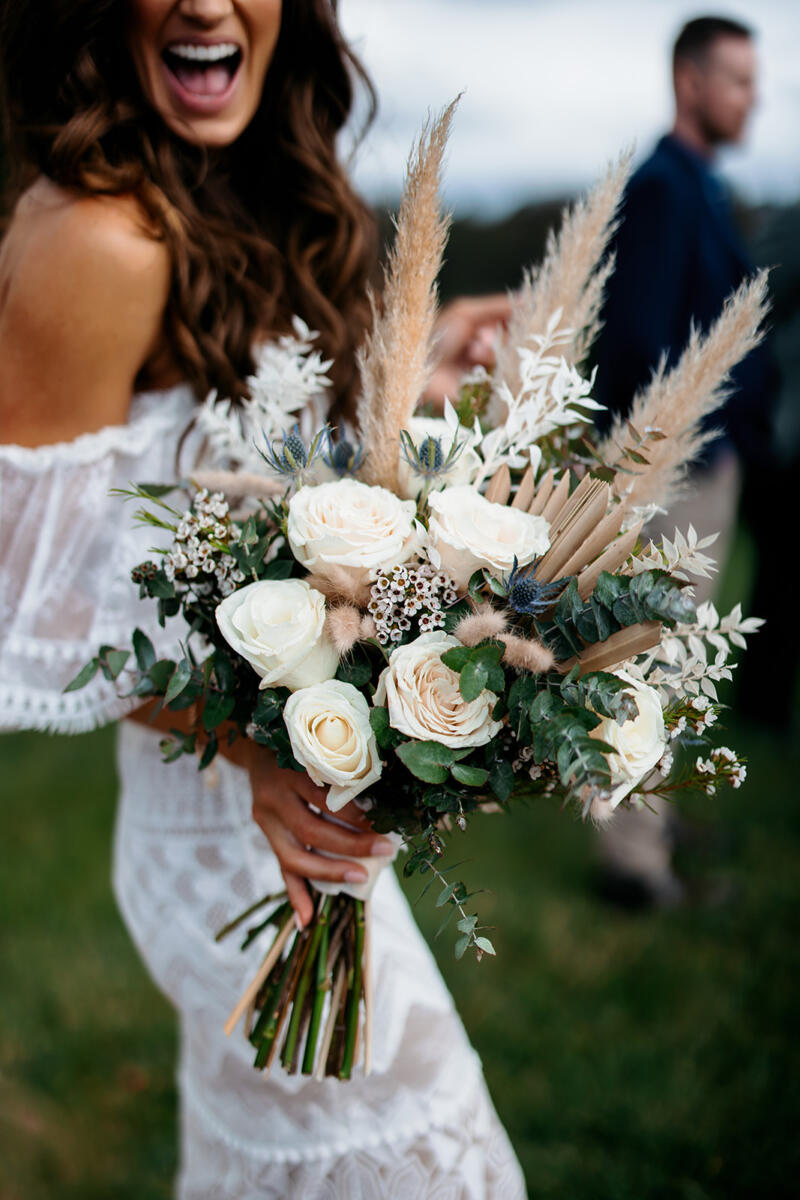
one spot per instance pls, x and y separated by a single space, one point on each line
176 199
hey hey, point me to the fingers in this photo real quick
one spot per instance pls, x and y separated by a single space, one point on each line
463 319
299 897
308 789
320 834
295 858
483 310
351 814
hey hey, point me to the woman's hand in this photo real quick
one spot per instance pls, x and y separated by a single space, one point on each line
281 808
281 800
466 329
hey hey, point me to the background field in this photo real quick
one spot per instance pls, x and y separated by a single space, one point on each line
630 1056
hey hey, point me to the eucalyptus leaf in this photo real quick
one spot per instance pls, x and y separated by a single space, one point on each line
379 720
113 662
159 587
160 674
84 676
429 761
178 680
469 776
144 650
501 779
217 708
462 944
473 679
457 657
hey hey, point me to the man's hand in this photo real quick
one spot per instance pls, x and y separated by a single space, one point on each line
466 330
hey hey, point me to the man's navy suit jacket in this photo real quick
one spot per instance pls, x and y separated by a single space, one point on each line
679 257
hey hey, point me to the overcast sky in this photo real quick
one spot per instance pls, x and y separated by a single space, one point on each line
554 88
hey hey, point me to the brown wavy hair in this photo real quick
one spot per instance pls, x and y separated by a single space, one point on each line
263 229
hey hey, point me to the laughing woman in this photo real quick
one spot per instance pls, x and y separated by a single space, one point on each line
176 198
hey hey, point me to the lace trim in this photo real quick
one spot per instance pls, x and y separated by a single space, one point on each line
439 1114
153 415
51 712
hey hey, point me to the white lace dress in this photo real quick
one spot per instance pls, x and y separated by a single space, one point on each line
188 857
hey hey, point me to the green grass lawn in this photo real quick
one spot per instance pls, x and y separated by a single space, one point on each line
631 1057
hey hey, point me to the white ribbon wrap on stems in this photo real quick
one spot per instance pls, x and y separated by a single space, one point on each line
372 865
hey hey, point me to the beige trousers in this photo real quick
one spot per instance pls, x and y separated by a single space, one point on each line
637 842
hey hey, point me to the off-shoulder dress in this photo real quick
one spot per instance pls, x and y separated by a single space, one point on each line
188 856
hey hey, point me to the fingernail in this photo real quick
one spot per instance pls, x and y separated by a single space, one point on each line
381 846
355 876
298 922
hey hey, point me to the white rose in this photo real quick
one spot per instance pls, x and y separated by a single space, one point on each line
328 725
277 625
638 743
347 524
463 470
467 531
424 699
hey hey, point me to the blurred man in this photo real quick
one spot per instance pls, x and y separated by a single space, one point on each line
679 257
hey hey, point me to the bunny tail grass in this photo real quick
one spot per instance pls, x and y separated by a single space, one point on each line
675 402
395 360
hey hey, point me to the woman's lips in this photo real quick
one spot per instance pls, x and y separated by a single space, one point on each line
200 86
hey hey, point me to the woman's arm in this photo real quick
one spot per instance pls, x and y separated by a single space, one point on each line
83 290
281 800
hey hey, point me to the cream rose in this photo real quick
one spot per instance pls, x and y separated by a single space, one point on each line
349 525
464 468
467 532
277 625
638 743
424 699
328 726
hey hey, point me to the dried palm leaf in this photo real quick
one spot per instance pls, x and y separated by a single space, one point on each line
621 646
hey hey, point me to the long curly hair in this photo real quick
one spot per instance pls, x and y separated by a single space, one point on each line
257 232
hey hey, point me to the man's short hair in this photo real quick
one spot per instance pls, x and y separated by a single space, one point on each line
694 40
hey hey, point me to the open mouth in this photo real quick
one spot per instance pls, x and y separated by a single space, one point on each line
203 69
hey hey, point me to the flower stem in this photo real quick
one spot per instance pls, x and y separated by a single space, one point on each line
273 1011
276 917
322 987
304 981
248 912
354 994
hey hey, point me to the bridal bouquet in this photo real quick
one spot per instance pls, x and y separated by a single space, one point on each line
441 614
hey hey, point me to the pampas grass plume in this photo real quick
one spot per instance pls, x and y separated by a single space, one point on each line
396 357
485 622
676 401
368 629
571 277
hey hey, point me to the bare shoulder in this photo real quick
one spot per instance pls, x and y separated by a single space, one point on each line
83 288
99 235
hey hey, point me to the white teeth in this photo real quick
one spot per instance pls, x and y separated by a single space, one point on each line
196 53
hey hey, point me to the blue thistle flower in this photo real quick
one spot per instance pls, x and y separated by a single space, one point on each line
430 452
429 459
526 594
291 457
343 457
